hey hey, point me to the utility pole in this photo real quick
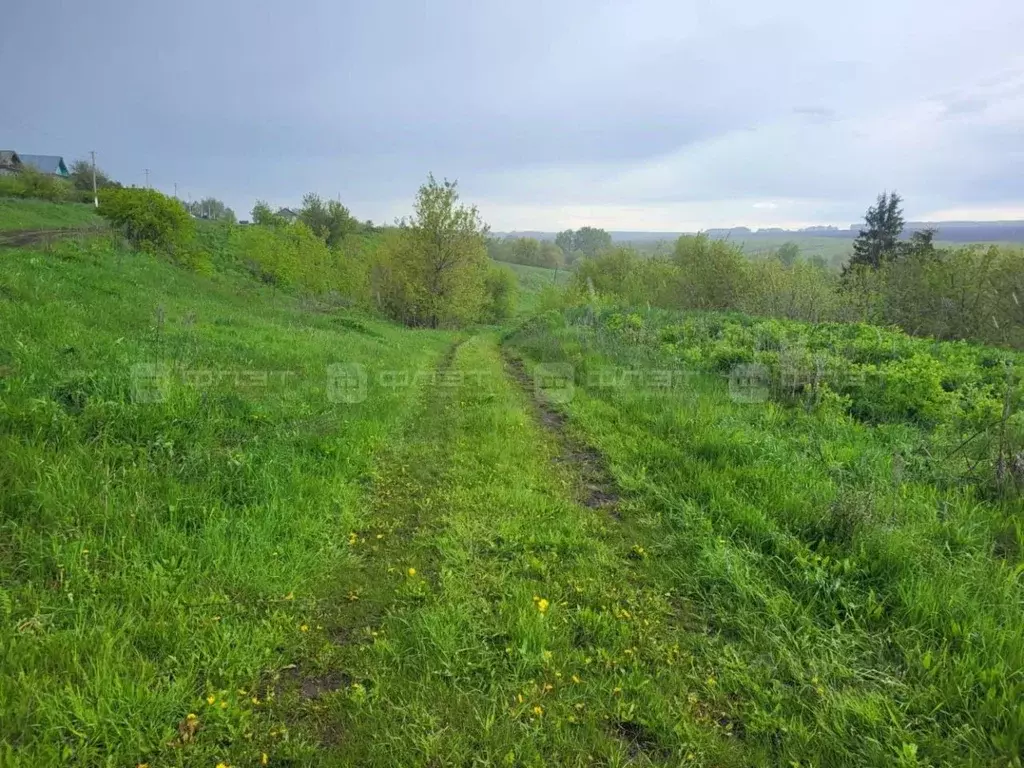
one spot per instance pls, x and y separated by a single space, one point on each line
175 189
147 177
95 196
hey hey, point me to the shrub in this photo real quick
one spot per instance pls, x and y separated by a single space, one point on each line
147 218
11 186
500 286
712 273
30 183
287 255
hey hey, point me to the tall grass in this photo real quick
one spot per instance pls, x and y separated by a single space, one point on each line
166 539
847 609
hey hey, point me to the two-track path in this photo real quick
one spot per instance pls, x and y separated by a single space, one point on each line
496 617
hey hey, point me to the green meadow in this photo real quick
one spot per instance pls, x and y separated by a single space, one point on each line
245 524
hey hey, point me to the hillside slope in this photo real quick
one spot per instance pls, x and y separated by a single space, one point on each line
39 214
243 527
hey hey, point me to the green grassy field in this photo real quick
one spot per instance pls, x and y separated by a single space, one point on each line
242 527
847 592
39 214
833 250
534 283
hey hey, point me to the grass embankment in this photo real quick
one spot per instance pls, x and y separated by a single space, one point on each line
184 538
849 601
39 214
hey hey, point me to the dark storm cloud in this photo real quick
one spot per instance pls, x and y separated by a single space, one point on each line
550 114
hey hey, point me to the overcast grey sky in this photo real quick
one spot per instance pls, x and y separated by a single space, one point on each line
667 115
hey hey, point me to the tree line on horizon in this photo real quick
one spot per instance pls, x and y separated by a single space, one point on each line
968 292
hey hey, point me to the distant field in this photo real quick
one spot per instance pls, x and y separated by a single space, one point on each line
829 248
833 249
39 214
534 280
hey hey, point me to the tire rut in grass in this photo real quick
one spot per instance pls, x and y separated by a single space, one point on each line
393 542
22 238
596 489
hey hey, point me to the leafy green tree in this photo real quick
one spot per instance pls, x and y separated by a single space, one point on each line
590 241
431 271
80 175
877 243
551 255
264 215
788 253
921 243
329 219
526 250
565 240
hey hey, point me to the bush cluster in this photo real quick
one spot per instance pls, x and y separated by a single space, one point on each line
955 390
148 219
971 292
31 184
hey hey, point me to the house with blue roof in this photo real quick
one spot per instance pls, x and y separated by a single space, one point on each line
12 162
52 165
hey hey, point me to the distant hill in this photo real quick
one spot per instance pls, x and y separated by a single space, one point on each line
948 231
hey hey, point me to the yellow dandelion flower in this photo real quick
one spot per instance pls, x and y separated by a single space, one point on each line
223 765
211 699
542 605
304 628
264 759
255 700
191 716
575 678
223 705
412 572
538 710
